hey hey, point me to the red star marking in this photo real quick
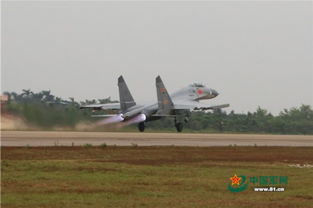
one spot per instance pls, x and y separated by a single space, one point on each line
162 90
199 91
235 180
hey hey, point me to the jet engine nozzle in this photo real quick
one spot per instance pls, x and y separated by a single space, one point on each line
142 117
137 119
120 117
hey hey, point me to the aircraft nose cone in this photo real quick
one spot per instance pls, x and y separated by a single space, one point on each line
214 93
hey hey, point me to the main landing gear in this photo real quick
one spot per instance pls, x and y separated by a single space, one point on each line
141 126
179 127
179 123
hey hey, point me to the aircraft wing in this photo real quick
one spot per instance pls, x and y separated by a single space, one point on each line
197 106
108 106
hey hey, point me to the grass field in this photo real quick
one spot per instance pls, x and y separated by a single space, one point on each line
112 176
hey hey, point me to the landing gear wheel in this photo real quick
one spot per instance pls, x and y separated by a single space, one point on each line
141 126
179 127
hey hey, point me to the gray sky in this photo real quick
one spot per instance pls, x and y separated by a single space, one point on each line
252 53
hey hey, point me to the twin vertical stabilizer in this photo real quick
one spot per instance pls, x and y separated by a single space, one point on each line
126 99
165 102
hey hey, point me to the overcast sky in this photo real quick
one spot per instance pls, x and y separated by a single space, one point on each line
252 53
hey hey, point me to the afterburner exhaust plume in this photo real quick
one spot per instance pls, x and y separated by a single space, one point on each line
113 119
137 119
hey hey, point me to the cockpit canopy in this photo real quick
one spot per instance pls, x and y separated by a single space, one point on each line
197 85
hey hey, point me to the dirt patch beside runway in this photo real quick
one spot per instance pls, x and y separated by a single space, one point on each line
161 155
65 138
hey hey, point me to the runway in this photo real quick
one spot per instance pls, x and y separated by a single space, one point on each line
66 138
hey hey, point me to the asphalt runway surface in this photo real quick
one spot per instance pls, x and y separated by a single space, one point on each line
66 138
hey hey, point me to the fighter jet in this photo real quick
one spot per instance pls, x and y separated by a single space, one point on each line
177 105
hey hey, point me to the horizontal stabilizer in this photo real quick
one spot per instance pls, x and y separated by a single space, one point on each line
103 116
108 106
162 115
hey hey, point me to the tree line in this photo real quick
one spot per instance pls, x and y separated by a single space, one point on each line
47 111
